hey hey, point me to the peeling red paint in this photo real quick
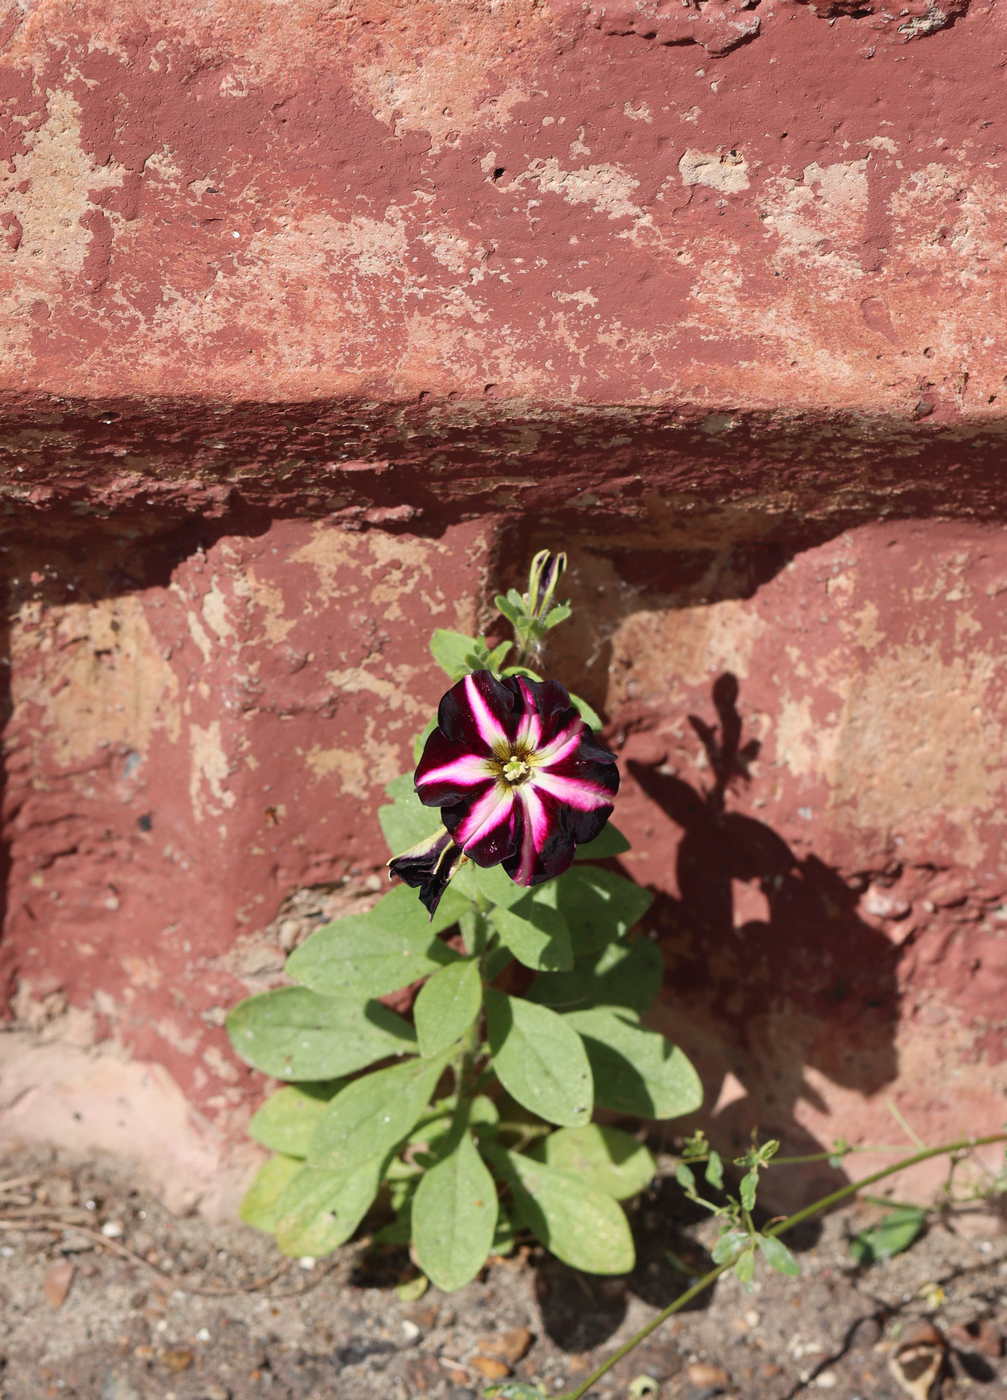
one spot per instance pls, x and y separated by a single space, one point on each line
319 317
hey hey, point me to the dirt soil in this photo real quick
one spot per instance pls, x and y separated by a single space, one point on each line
105 1295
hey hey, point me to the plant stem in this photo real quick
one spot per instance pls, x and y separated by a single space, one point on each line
845 1151
834 1197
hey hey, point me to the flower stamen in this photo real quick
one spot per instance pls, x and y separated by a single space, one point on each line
516 769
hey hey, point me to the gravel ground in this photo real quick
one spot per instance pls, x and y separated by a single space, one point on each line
104 1295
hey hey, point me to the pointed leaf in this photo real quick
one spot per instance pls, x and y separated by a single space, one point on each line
496 658
715 1171
368 955
635 1070
778 1256
686 1178
319 1210
578 1223
403 786
451 651
625 974
539 1059
747 1188
728 1244
406 821
512 611
604 1157
599 906
447 1005
258 1205
535 931
454 1217
287 1119
610 843
892 1234
493 885
590 716
294 1033
372 1115
556 615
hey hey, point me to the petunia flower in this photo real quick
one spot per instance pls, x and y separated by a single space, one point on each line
519 780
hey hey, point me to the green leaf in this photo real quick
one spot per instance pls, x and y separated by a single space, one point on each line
748 1188
452 650
319 1210
728 1244
610 843
556 615
535 931
405 822
635 1070
412 1289
372 1115
625 974
577 1222
483 1112
496 658
401 787
493 885
686 1178
604 1157
892 1234
287 1119
258 1205
590 716
447 1005
454 1217
539 1059
715 1170
744 1268
512 611
368 955
777 1255
599 906
294 1033
505 1235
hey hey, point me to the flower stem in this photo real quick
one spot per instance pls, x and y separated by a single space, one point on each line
834 1197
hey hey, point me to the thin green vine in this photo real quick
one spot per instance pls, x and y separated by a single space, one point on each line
816 1208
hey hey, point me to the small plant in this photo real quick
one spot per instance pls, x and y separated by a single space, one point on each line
474 1116
739 1240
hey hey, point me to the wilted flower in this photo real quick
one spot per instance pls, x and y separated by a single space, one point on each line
519 780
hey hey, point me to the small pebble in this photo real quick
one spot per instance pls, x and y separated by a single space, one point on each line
508 1346
490 1367
707 1377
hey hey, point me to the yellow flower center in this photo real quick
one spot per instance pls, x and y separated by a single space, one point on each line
512 766
515 769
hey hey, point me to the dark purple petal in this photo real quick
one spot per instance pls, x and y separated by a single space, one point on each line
588 763
428 866
546 842
478 713
486 829
552 703
445 773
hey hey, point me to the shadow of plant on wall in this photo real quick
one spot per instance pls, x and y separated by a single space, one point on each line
762 1004
808 989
